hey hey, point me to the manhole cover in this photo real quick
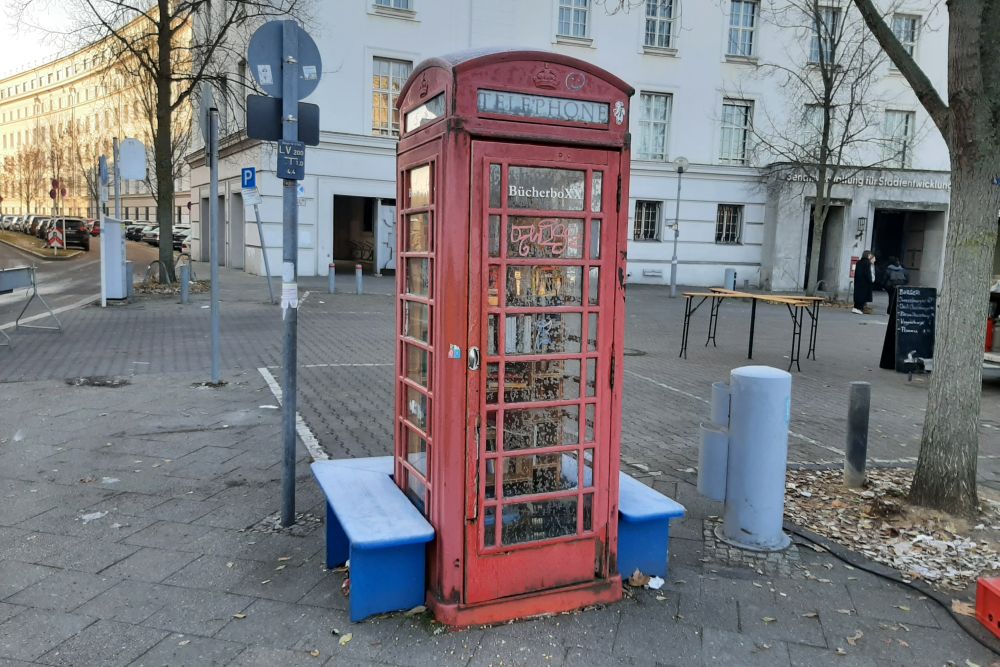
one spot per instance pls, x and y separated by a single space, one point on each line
632 352
97 381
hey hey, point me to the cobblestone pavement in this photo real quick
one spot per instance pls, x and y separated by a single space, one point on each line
133 521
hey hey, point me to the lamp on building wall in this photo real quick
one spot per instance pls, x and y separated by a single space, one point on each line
681 164
862 224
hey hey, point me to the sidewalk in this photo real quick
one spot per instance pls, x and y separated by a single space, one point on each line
134 523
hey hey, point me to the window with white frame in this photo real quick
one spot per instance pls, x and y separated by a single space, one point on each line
729 224
742 27
395 4
898 141
906 27
647 220
574 16
388 77
825 29
737 118
660 23
654 125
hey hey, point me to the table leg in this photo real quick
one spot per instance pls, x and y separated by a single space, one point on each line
713 322
753 322
687 326
793 356
813 330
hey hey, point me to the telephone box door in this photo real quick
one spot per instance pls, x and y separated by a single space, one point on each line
541 306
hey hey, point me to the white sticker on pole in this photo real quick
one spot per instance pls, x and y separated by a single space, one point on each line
289 288
264 75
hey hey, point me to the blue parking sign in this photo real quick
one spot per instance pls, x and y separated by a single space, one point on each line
249 177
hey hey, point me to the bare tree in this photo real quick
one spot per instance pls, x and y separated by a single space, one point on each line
175 46
946 468
29 175
827 130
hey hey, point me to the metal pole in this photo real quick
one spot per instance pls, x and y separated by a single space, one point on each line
677 232
289 271
856 457
117 178
358 284
185 282
263 250
213 234
331 279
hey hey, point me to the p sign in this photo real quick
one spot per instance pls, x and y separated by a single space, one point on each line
249 177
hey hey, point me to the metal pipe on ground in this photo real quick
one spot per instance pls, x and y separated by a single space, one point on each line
357 279
185 282
856 458
332 278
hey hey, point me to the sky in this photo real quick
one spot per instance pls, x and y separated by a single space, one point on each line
23 47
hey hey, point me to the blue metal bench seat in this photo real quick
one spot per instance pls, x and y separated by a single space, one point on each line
644 516
370 521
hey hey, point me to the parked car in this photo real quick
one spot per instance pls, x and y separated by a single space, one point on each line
182 239
31 224
7 221
76 231
94 227
151 235
133 231
40 226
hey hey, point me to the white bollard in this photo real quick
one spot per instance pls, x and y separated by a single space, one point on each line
712 454
760 408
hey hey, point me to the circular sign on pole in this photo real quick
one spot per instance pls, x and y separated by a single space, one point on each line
207 102
52 193
264 55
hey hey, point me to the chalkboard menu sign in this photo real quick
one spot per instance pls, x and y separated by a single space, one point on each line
915 310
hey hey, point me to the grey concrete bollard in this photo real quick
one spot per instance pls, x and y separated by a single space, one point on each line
720 404
129 280
185 282
713 452
760 408
331 279
357 279
856 459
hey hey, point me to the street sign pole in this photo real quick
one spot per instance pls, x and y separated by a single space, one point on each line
213 218
263 251
289 268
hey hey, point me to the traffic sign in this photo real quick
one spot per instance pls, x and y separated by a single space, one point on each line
264 120
132 160
102 168
206 102
264 55
248 177
251 197
291 160
56 238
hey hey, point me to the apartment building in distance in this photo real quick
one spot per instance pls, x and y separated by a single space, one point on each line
707 76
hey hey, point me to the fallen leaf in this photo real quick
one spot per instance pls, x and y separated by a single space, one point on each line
661 598
845 611
768 619
266 581
419 609
841 651
282 559
346 638
230 564
853 639
901 607
963 608
279 568
969 663
241 616
184 643
902 643
810 614
638 579
314 653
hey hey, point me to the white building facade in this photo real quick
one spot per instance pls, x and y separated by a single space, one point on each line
703 84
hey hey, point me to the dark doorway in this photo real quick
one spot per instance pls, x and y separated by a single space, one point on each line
354 232
829 249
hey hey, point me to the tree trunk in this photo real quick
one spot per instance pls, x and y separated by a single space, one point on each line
819 222
162 145
946 469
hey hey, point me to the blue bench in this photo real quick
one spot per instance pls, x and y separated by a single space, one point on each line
644 516
371 522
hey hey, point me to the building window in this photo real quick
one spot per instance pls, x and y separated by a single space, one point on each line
574 16
737 116
395 4
906 28
742 24
825 33
729 224
647 221
898 146
660 23
388 77
654 125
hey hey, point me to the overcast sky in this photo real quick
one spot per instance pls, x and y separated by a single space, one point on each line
24 47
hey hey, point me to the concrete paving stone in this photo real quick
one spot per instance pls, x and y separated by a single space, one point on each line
262 459
132 601
773 622
15 510
4 662
802 655
264 656
285 581
579 656
682 579
178 650
269 548
150 564
16 576
738 584
235 516
170 535
9 611
892 602
181 510
63 590
164 447
88 555
20 638
192 611
131 503
104 643
707 611
210 454
32 547
882 640
721 647
327 593
649 630
494 651
110 525
413 644
198 470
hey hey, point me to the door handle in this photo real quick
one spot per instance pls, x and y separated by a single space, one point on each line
473 358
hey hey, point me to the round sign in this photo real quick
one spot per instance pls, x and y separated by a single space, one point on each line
52 193
265 56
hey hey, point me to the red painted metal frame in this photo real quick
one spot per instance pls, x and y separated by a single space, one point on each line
468 583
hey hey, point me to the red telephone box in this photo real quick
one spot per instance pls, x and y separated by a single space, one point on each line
513 195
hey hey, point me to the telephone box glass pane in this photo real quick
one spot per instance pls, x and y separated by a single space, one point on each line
570 467
542 520
493 292
588 512
542 333
541 427
544 189
595 285
550 380
416 451
491 431
546 238
489 527
417 362
492 334
492 382
542 473
591 377
416 408
495 185
418 237
530 286
420 186
415 489
595 239
416 320
588 435
494 236
418 277
596 188
490 490
592 332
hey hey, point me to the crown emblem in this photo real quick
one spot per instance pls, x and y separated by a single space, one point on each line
546 78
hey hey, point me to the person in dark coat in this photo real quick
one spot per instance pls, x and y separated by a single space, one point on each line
864 281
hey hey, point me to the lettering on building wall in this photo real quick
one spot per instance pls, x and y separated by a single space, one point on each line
542 107
878 182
